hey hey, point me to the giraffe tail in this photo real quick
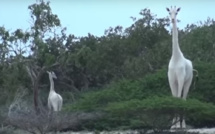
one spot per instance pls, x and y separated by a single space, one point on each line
197 77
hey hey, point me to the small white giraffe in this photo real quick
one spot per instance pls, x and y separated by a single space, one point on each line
55 101
180 70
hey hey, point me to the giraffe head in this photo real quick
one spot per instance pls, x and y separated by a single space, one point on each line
52 74
173 11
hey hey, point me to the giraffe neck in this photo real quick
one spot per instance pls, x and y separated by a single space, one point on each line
176 52
51 84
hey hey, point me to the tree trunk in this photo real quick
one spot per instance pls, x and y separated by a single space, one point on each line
35 92
35 82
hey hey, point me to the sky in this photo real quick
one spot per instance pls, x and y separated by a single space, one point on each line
94 16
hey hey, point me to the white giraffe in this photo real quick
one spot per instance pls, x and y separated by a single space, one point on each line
55 101
180 70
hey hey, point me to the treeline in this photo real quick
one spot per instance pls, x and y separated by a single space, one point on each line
122 68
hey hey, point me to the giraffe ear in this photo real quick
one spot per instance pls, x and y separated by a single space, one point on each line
178 9
167 9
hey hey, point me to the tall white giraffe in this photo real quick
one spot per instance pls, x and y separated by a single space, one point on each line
55 101
180 70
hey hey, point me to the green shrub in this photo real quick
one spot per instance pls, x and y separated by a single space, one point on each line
154 113
205 86
157 112
123 90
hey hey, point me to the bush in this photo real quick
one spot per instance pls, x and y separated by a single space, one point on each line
154 113
158 112
205 86
123 90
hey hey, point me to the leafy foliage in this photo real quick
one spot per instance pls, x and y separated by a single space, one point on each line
123 90
152 113
204 90
158 112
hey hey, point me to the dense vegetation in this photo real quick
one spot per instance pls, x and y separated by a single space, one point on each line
122 75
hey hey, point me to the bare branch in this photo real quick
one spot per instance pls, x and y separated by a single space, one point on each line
32 75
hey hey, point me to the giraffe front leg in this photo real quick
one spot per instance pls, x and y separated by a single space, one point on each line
187 87
181 81
173 83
